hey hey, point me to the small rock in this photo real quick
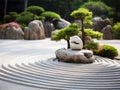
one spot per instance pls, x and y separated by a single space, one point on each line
76 43
61 23
107 32
76 56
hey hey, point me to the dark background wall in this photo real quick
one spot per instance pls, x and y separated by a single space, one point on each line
1 9
12 6
63 7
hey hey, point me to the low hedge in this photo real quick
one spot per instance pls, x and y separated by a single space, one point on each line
108 51
102 50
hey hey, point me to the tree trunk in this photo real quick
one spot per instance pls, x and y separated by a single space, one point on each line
68 44
83 33
5 10
25 5
67 9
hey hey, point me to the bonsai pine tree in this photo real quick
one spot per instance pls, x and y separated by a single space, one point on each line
66 33
82 14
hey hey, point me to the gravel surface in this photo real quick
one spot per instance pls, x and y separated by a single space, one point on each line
30 65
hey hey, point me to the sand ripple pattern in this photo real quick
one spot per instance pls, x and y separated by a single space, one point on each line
50 74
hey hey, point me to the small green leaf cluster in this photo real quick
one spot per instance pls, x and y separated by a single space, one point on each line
11 16
91 46
116 29
66 33
24 18
94 34
81 13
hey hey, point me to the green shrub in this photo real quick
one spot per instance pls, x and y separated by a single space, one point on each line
23 26
35 10
116 28
26 14
66 33
50 15
98 8
94 34
11 17
91 46
102 50
25 18
1 22
41 18
108 51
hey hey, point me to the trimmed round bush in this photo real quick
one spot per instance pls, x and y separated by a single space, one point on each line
11 16
27 14
35 9
49 15
25 18
108 51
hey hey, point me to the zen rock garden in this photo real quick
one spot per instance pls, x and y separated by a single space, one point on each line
31 59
